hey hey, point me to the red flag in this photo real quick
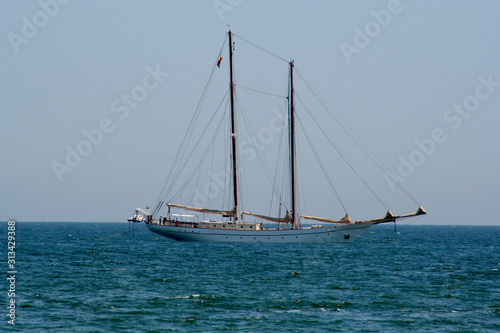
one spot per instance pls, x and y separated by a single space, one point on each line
218 61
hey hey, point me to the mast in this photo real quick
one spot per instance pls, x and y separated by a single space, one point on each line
233 130
292 148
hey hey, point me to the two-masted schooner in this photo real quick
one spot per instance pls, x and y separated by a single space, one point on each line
233 227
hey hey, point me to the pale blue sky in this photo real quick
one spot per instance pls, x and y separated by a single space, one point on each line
64 66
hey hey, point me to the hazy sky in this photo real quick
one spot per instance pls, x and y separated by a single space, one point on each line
419 82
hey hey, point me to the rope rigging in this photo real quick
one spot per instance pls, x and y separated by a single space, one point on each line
166 189
341 153
280 192
313 149
263 162
260 92
261 48
196 145
353 136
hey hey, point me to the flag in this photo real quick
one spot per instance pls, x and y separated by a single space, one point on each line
218 61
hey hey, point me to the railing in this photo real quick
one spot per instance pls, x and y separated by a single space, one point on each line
177 223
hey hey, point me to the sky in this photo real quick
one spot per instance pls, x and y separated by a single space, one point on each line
417 81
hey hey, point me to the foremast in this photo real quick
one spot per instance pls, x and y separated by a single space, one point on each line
233 129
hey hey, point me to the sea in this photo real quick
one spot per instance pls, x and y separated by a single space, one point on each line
120 277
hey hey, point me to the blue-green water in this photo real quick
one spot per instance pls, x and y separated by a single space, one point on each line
424 279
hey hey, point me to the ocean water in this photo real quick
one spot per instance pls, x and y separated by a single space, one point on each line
422 279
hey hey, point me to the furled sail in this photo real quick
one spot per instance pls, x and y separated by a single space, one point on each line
287 218
390 217
227 213
345 219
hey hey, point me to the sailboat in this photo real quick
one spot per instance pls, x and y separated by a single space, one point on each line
233 226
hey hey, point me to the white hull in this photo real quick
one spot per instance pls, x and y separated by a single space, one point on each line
326 234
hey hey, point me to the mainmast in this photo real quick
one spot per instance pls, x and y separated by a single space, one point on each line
292 148
233 130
